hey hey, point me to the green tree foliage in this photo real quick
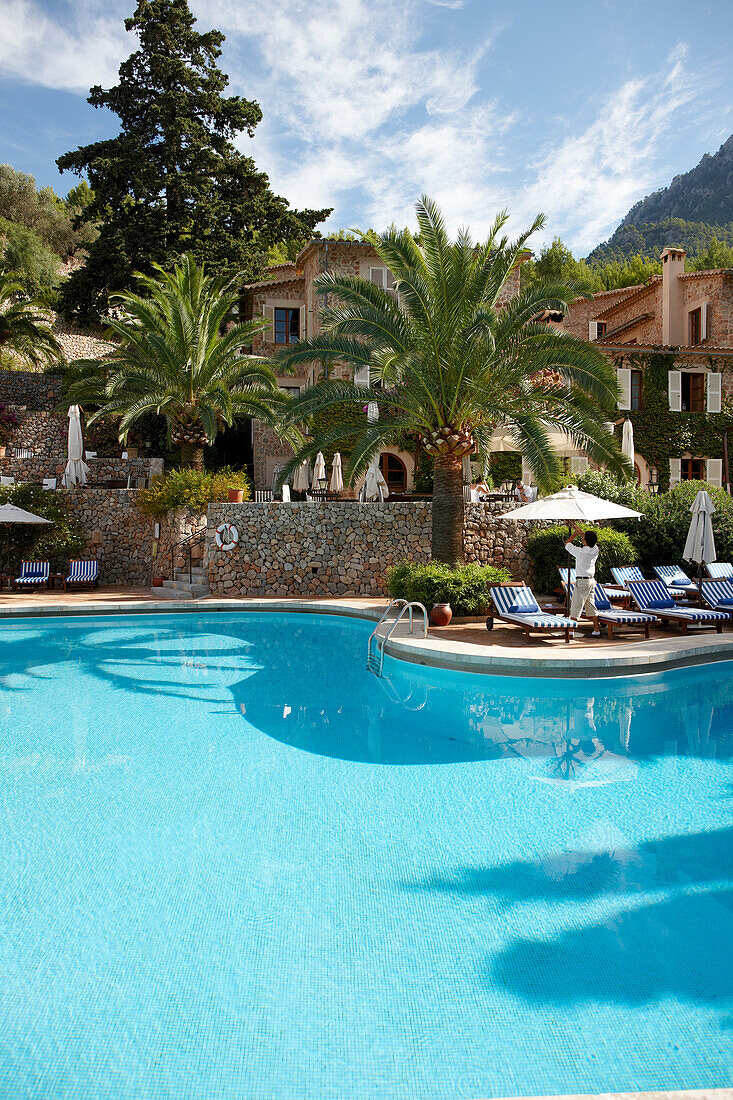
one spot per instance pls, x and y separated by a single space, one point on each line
172 181
447 366
633 272
28 542
24 256
717 254
557 264
547 550
189 488
25 334
179 353
648 240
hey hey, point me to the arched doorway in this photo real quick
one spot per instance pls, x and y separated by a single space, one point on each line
394 472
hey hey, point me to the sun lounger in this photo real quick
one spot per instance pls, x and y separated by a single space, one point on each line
675 579
81 572
654 598
612 591
518 605
622 574
720 570
718 594
33 572
613 616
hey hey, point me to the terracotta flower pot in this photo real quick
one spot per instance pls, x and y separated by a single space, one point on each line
2 452
236 496
157 582
441 614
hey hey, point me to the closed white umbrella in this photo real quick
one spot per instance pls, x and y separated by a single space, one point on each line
301 481
700 543
76 468
319 472
337 478
375 487
627 440
570 506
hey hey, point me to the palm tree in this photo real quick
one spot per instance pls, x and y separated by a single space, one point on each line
25 332
180 353
449 365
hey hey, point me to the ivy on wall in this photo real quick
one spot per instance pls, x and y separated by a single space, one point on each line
660 434
505 466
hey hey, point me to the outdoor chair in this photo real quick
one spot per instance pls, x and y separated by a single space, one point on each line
622 574
720 570
82 573
286 493
675 579
49 483
518 605
23 452
653 598
7 480
616 592
33 572
718 594
614 617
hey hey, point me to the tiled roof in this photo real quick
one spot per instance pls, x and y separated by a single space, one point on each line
711 271
662 349
625 326
636 296
297 277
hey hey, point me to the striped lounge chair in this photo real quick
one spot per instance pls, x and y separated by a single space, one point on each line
81 572
613 616
718 595
33 572
624 573
518 605
676 580
653 598
720 570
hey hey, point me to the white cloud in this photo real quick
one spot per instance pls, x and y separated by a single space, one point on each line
85 49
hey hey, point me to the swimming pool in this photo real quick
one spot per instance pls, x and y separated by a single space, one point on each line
235 864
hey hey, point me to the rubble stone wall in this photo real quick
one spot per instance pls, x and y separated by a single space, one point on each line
35 391
344 548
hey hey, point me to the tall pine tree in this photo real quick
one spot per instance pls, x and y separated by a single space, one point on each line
172 181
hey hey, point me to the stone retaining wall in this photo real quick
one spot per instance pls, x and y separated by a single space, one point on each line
29 388
37 468
343 548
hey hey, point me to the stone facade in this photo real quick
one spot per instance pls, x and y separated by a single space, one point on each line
135 470
343 549
34 391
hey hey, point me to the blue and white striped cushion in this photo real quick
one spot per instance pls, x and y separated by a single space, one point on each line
718 593
542 620
520 598
622 574
720 570
79 571
627 618
673 577
31 572
654 592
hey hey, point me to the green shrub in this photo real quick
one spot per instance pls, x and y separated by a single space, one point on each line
29 542
465 588
188 488
547 550
505 466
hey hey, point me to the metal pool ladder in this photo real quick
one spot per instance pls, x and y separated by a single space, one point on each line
375 654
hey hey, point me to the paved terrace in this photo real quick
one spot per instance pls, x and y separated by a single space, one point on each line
466 646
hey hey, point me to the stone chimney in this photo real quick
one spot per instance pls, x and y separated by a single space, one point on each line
673 317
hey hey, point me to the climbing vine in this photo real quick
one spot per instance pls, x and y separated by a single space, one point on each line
658 432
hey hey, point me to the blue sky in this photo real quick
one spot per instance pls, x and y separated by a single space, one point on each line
577 109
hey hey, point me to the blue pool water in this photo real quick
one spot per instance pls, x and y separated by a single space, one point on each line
233 864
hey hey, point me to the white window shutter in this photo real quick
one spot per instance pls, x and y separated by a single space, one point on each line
674 383
714 473
624 384
269 334
592 330
302 333
376 276
578 464
704 320
675 472
361 376
714 392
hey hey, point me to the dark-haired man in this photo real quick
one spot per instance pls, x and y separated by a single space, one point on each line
585 577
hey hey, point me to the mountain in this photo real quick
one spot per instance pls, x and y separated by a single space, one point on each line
696 207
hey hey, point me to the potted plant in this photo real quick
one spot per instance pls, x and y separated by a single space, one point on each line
236 496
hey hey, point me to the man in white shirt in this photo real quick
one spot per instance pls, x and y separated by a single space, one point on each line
585 576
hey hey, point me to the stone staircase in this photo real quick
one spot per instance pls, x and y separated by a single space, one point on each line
180 588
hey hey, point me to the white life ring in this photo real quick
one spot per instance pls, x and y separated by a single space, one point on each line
227 536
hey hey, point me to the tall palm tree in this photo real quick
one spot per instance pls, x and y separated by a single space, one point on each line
25 332
449 364
180 353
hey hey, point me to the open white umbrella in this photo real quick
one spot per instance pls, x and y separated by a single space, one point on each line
627 440
10 513
570 506
319 472
337 477
76 468
700 543
301 480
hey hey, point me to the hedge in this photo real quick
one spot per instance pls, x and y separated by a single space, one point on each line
465 587
547 551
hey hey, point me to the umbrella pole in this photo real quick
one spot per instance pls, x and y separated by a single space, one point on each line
571 559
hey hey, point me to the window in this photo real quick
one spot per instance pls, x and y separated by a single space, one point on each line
382 276
291 391
693 392
287 326
394 472
695 327
601 327
635 401
693 469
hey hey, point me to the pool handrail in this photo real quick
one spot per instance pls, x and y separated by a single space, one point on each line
375 665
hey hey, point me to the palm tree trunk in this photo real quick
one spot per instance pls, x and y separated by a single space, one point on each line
192 454
448 510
